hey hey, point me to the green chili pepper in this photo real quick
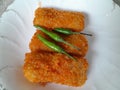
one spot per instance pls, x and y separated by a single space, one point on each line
54 46
69 32
55 36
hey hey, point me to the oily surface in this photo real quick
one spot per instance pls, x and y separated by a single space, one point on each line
55 67
76 40
54 18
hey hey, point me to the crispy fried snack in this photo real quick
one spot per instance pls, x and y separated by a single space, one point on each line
77 40
55 67
43 65
54 18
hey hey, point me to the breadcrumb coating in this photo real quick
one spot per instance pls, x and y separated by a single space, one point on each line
76 40
55 67
43 65
54 18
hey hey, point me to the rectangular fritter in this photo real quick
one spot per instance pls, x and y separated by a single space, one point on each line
76 40
55 67
54 18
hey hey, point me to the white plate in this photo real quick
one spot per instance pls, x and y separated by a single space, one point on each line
102 20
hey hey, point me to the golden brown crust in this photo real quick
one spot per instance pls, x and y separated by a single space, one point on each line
43 65
53 18
55 67
77 40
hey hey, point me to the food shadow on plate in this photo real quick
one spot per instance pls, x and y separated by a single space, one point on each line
91 39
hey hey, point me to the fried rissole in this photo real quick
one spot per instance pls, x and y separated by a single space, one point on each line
42 67
76 40
54 18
